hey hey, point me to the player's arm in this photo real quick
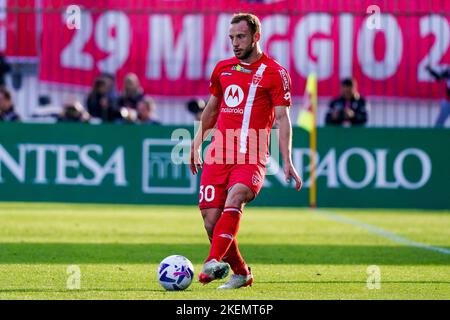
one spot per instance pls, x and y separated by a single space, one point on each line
207 122
285 139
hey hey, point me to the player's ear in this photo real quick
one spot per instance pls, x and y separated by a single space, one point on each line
257 36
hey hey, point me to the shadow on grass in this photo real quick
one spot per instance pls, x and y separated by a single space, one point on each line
92 290
80 253
351 282
49 290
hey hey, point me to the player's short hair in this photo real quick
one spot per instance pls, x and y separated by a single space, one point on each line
252 21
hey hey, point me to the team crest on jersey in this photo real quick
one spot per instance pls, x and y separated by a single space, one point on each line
256 79
255 180
240 68
233 96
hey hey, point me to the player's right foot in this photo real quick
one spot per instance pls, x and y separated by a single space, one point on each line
238 281
213 270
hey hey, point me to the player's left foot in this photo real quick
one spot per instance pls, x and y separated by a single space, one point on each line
238 281
213 270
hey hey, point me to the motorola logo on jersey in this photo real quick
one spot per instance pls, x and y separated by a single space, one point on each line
233 96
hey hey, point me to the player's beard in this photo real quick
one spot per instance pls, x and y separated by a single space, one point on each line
246 53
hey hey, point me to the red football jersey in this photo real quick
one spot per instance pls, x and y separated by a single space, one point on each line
248 93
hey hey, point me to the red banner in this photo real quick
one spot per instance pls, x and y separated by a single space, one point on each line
173 45
18 29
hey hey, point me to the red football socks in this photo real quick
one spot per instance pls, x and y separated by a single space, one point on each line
234 259
224 233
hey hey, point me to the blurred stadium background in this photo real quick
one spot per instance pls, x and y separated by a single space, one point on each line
61 60
173 45
55 54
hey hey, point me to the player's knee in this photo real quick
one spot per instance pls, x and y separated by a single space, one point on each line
239 195
237 200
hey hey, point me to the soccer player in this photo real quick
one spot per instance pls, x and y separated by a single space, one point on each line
248 92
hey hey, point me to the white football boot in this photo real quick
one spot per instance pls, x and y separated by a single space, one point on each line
238 281
213 270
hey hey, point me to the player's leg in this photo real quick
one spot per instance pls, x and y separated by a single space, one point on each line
224 239
246 182
210 217
233 256
213 269
224 236
224 232
227 226
212 196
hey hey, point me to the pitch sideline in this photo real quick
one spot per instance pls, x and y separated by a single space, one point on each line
380 232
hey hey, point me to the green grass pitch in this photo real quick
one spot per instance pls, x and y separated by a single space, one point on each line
294 253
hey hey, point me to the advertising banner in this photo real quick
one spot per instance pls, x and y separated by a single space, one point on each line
18 29
360 167
173 46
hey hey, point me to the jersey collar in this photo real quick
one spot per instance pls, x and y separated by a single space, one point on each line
263 56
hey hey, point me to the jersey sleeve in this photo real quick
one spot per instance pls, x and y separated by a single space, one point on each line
214 85
280 90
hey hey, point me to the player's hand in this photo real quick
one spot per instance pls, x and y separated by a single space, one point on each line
196 159
289 171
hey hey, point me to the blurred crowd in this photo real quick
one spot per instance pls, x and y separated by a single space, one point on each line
102 104
105 104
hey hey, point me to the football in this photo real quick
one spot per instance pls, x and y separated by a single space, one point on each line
175 273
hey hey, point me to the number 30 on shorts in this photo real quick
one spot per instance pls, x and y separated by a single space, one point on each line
207 193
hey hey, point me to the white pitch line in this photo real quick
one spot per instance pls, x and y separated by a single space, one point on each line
380 232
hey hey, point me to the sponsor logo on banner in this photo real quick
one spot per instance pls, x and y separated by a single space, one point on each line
63 164
379 173
160 175
370 168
